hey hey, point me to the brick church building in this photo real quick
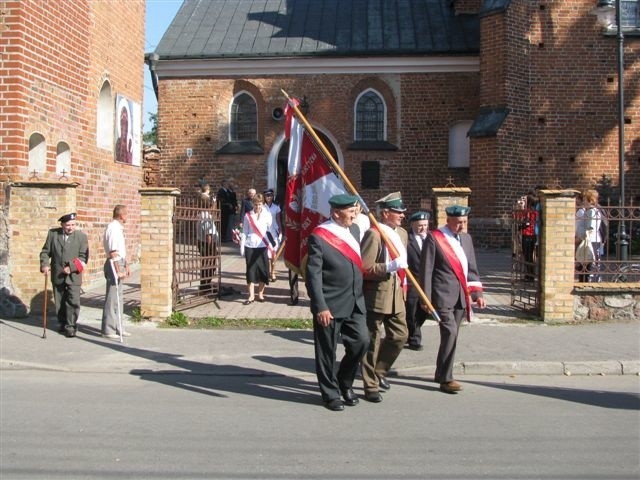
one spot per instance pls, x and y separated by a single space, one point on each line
70 126
497 95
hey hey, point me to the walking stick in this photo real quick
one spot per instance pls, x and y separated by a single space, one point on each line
336 168
118 308
44 315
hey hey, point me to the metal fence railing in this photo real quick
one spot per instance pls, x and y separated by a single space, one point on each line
617 246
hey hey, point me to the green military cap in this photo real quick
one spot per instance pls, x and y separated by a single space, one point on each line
419 216
393 201
343 200
457 211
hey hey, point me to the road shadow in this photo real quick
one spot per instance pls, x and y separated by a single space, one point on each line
213 379
300 336
596 398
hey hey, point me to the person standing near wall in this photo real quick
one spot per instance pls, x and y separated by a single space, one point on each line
416 316
116 268
228 203
64 255
449 277
384 294
275 229
206 238
254 245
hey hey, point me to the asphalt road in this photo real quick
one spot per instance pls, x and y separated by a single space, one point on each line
147 425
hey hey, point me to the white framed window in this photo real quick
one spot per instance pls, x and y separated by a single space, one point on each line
459 144
37 154
370 117
105 118
630 12
243 118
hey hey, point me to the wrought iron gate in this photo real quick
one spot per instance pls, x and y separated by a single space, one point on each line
196 252
525 265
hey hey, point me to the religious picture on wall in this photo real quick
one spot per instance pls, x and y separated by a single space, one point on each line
128 131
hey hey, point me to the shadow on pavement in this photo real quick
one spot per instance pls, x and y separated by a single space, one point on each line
211 379
597 398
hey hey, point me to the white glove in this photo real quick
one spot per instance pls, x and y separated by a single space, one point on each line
242 246
397 264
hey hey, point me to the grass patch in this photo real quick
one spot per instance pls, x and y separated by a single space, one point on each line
179 320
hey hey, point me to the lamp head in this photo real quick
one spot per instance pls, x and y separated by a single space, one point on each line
606 12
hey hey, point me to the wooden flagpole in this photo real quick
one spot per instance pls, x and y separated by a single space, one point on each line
352 189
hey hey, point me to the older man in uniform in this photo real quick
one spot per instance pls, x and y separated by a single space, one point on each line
65 254
450 278
384 293
334 284
416 316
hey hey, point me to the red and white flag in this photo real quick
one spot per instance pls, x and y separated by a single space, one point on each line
310 184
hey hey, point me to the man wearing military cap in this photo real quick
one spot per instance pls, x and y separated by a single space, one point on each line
450 279
416 316
334 285
384 294
65 254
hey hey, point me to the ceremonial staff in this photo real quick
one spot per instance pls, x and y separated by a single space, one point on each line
44 315
336 168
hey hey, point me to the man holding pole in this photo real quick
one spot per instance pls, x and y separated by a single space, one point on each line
450 278
334 284
116 268
384 292
65 254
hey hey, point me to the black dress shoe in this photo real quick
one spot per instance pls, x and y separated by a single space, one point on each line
334 405
382 382
373 397
70 333
415 346
350 398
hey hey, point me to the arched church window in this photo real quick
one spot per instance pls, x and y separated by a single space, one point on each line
105 118
244 119
370 116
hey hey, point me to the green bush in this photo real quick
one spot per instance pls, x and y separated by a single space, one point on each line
177 319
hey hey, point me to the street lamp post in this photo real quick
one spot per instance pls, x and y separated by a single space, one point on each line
605 11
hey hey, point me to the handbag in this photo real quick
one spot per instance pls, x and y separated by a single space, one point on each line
584 252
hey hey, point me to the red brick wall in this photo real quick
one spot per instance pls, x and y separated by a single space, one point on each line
194 114
54 57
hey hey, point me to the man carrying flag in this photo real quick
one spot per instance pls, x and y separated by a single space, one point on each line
334 285
385 287
449 276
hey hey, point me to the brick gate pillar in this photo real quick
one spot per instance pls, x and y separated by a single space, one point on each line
34 208
557 264
156 241
445 197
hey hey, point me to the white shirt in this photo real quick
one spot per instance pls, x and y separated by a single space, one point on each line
253 239
114 241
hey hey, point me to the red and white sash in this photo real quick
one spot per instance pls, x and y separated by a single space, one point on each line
261 234
456 265
341 239
401 250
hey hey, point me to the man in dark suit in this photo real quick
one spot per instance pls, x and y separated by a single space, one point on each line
228 204
450 278
334 284
416 316
65 254
384 294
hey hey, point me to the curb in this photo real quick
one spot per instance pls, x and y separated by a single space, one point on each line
588 368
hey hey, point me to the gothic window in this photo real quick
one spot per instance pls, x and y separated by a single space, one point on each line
370 117
459 145
105 118
244 119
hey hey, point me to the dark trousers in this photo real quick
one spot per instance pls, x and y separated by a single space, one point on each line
528 250
416 317
67 299
449 326
355 339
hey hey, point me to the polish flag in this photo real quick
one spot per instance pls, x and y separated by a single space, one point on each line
310 184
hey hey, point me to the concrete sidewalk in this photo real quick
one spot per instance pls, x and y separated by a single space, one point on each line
497 342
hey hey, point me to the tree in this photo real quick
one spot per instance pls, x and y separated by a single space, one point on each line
151 137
